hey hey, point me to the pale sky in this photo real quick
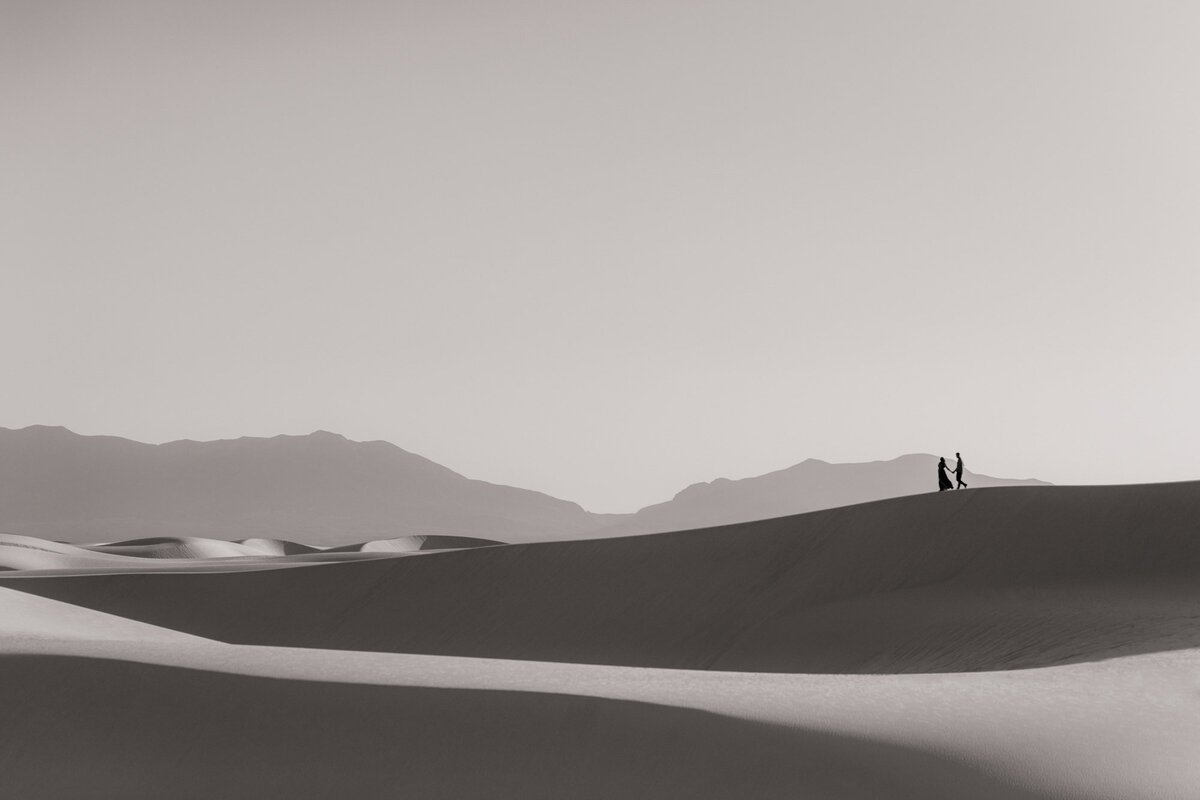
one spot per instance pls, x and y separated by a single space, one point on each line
608 249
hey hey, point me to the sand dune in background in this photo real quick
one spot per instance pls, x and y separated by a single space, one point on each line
198 547
98 706
975 580
27 554
412 544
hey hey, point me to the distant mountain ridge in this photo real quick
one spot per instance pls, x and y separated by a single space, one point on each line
811 485
325 489
320 488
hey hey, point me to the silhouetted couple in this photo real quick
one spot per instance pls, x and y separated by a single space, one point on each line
944 479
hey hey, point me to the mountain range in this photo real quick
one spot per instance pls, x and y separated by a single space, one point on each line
811 485
325 489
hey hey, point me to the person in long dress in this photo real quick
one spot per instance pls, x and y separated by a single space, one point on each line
958 471
943 478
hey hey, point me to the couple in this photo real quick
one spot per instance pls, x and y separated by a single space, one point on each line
944 480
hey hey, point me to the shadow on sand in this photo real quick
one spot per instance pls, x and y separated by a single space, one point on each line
85 727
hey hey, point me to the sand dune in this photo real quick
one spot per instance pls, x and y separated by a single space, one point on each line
277 547
975 580
410 544
197 547
25 617
690 652
201 548
27 554
98 706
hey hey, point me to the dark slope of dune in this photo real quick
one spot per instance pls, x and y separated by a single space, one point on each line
321 488
135 730
972 580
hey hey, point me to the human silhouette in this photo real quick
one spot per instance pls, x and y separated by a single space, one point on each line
943 478
958 469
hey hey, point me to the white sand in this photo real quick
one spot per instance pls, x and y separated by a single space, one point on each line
30 555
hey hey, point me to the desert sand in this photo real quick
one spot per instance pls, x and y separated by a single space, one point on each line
1029 642
28 555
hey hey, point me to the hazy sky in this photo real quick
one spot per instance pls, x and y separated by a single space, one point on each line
606 249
